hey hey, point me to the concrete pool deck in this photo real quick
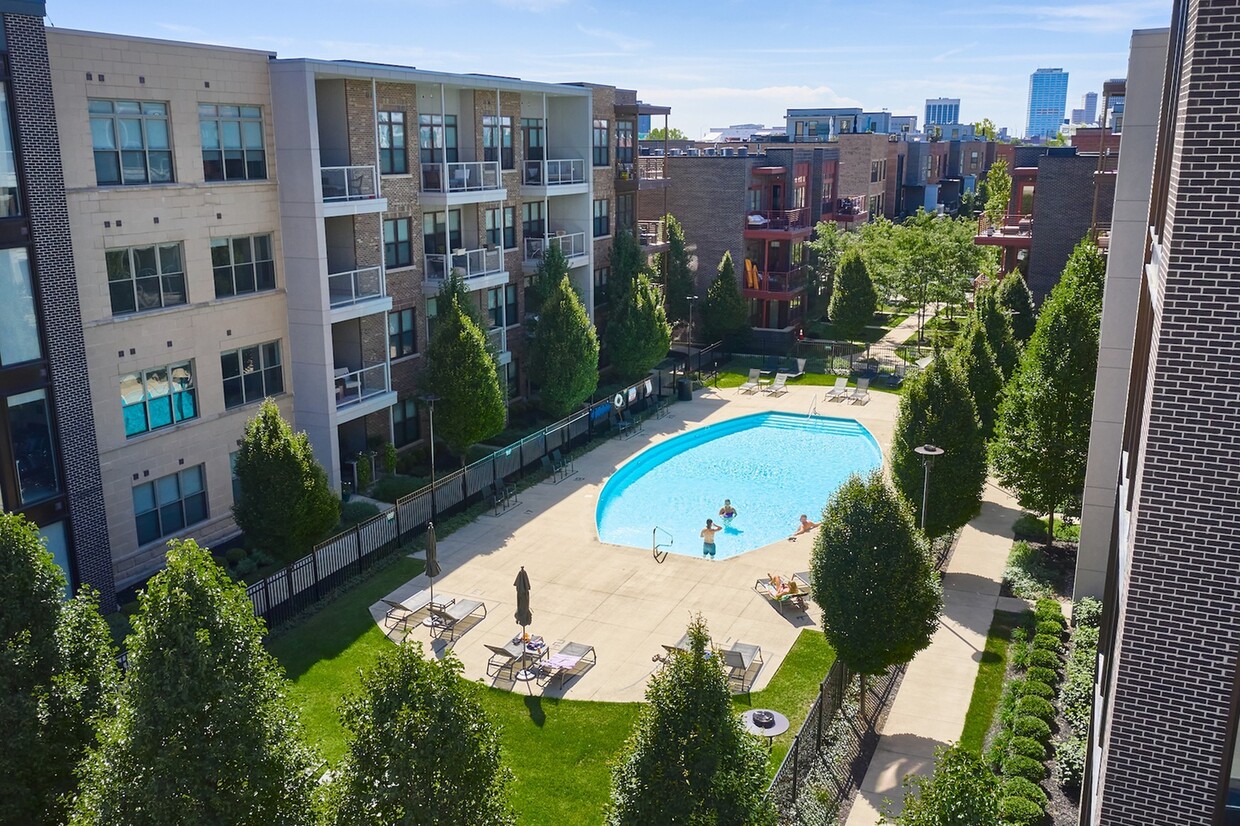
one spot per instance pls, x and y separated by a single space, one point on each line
615 598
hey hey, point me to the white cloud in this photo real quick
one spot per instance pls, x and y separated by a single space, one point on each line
621 41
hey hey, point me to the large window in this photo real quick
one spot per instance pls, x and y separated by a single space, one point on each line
624 141
145 278
160 397
170 503
232 142
242 265
10 203
131 142
438 238
501 227
19 340
252 374
495 306
402 334
405 429
626 212
393 160
397 249
602 218
33 450
602 157
437 138
497 140
432 317
533 136
601 275
533 219
510 304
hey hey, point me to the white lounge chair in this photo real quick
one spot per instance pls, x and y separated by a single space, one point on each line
800 371
777 388
861 393
752 383
839 391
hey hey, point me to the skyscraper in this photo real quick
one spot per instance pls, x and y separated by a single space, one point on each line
1048 98
1089 107
942 110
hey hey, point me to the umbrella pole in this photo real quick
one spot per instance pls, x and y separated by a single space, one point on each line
430 621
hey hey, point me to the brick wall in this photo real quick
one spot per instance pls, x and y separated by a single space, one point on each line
1063 204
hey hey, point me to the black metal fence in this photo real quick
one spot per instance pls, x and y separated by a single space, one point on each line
291 590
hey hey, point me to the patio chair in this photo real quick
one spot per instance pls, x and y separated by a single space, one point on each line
662 406
573 660
554 473
799 371
404 609
777 387
771 364
564 463
739 659
502 496
803 580
860 393
839 391
751 384
773 589
447 619
504 658
628 426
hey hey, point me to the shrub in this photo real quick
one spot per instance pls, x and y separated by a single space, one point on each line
391 488
1028 573
1048 642
244 568
1023 787
1017 765
1020 811
1086 638
999 748
1049 609
1027 747
389 458
1036 707
1033 528
1044 659
1034 727
1049 628
1087 613
353 512
1070 762
1037 688
235 555
1018 649
1050 676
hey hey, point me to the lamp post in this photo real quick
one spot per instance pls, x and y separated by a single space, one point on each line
927 453
431 398
689 332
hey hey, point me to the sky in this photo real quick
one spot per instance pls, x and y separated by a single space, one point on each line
715 64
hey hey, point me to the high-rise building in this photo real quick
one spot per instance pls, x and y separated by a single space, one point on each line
942 110
1089 107
1048 99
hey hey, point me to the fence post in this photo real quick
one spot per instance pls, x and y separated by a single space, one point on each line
314 566
400 535
357 541
267 597
822 707
796 756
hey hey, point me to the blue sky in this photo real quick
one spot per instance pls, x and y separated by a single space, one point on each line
715 64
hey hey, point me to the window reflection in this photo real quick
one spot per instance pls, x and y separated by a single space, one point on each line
10 204
19 329
34 454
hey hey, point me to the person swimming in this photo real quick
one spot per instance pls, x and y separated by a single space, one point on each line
805 526
708 537
727 512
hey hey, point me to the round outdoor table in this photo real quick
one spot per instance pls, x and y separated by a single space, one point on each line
777 727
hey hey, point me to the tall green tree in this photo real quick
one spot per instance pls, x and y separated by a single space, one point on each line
563 353
689 760
725 315
671 133
854 300
827 246
884 258
552 269
675 265
1042 435
638 334
463 374
998 183
976 362
998 326
873 577
422 749
285 504
1014 297
203 731
962 790
937 408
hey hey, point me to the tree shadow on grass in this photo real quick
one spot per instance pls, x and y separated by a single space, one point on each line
533 705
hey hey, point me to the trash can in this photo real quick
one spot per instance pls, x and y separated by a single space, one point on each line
684 391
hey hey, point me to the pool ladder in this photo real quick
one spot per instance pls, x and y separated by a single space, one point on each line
655 545
813 407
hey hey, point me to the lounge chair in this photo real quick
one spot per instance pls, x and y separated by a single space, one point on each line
504 658
800 371
777 388
839 391
752 383
403 610
772 589
446 619
860 393
803 579
739 659
570 661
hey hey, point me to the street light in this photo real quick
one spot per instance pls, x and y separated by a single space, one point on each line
689 332
431 398
927 453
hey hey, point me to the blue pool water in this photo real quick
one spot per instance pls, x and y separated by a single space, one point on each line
773 466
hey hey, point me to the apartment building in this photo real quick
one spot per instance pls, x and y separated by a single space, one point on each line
49 470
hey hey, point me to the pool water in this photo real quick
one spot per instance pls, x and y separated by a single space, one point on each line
773 466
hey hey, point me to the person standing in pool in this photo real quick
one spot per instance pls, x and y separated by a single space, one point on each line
727 512
708 538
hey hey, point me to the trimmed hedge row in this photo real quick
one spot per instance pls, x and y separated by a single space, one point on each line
1076 696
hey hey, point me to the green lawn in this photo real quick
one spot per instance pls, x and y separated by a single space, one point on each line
560 751
990 677
734 376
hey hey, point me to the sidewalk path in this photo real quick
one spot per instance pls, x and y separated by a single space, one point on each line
900 333
930 707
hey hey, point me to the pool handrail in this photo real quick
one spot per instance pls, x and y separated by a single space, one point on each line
655 544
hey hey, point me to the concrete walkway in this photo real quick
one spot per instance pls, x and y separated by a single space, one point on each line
900 333
930 708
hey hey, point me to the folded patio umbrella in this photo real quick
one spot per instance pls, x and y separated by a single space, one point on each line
432 558
523 615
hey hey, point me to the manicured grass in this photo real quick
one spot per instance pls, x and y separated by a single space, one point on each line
990 678
826 330
731 377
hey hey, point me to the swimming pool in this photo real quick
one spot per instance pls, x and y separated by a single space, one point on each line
773 466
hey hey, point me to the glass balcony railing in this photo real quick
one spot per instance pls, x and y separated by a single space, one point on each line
347 288
554 172
572 244
348 183
353 386
465 263
463 176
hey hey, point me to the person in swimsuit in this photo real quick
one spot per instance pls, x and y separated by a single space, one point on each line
727 511
708 537
805 527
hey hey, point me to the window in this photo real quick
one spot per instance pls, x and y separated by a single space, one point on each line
874 172
20 341
495 306
626 212
437 138
497 140
624 141
252 374
10 203
532 135
160 397
145 278
432 317
33 451
600 285
397 249
510 304
402 334
601 137
533 220
58 546
602 220
434 232
131 142
501 227
405 425
232 142
392 157
511 376
242 265
170 503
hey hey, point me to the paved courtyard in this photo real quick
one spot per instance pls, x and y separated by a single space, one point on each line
619 599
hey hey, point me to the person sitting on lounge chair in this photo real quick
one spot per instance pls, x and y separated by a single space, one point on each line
805 527
783 587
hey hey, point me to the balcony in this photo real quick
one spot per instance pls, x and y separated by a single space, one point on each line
651 173
774 284
464 182
566 176
478 269
778 220
1013 230
357 293
362 392
574 245
850 210
350 190
653 236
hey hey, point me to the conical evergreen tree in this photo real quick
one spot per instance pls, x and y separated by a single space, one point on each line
563 354
854 298
977 363
725 315
1013 296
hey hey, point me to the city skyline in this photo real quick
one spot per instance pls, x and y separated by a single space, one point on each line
713 69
